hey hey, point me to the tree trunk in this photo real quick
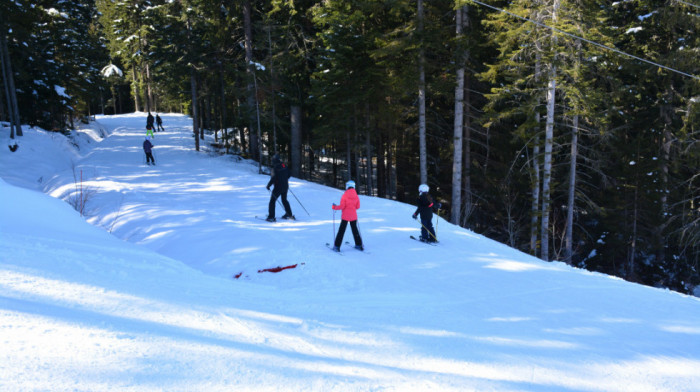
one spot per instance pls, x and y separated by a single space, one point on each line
137 100
258 131
666 143
357 155
250 71
633 245
458 127
421 101
272 82
569 239
368 147
391 170
149 91
348 160
295 119
466 159
6 90
13 107
548 147
547 167
6 84
222 106
195 117
381 167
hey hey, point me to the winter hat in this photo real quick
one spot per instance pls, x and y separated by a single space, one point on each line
423 188
350 184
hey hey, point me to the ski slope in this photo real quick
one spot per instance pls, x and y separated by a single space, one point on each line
143 297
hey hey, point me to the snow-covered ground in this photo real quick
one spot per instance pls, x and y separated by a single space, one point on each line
143 297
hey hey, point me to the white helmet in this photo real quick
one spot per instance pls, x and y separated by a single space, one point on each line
350 184
423 188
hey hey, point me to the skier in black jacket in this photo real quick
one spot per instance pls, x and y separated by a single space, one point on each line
280 179
149 121
159 123
425 209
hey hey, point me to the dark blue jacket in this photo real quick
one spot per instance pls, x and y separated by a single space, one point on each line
426 207
280 178
147 146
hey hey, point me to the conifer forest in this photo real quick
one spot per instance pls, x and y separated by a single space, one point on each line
569 130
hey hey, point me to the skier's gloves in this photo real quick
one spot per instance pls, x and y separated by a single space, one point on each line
268 187
415 216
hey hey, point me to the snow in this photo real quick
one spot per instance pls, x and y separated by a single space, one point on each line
61 91
110 70
55 12
141 297
642 17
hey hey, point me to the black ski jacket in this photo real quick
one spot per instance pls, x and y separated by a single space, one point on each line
426 207
280 178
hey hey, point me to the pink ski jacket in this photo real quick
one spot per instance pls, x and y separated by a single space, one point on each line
349 204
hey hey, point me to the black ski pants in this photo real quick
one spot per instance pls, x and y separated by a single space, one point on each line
427 231
273 199
149 158
341 233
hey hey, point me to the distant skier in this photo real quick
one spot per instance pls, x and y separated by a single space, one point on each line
280 179
147 148
149 120
425 209
349 204
159 123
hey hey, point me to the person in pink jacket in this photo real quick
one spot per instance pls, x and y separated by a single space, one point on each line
349 204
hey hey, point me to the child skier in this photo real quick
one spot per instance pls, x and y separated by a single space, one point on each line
349 204
147 146
159 123
425 209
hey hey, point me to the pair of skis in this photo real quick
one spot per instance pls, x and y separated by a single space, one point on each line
281 219
330 246
425 242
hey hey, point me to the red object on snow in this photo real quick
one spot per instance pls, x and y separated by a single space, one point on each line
277 269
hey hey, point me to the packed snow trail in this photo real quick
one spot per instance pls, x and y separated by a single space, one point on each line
158 308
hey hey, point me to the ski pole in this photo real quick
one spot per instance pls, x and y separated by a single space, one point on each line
333 239
437 221
302 206
359 231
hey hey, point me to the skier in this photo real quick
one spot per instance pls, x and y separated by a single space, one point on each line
159 122
149 120
147 146
425 209
280 179
349 204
